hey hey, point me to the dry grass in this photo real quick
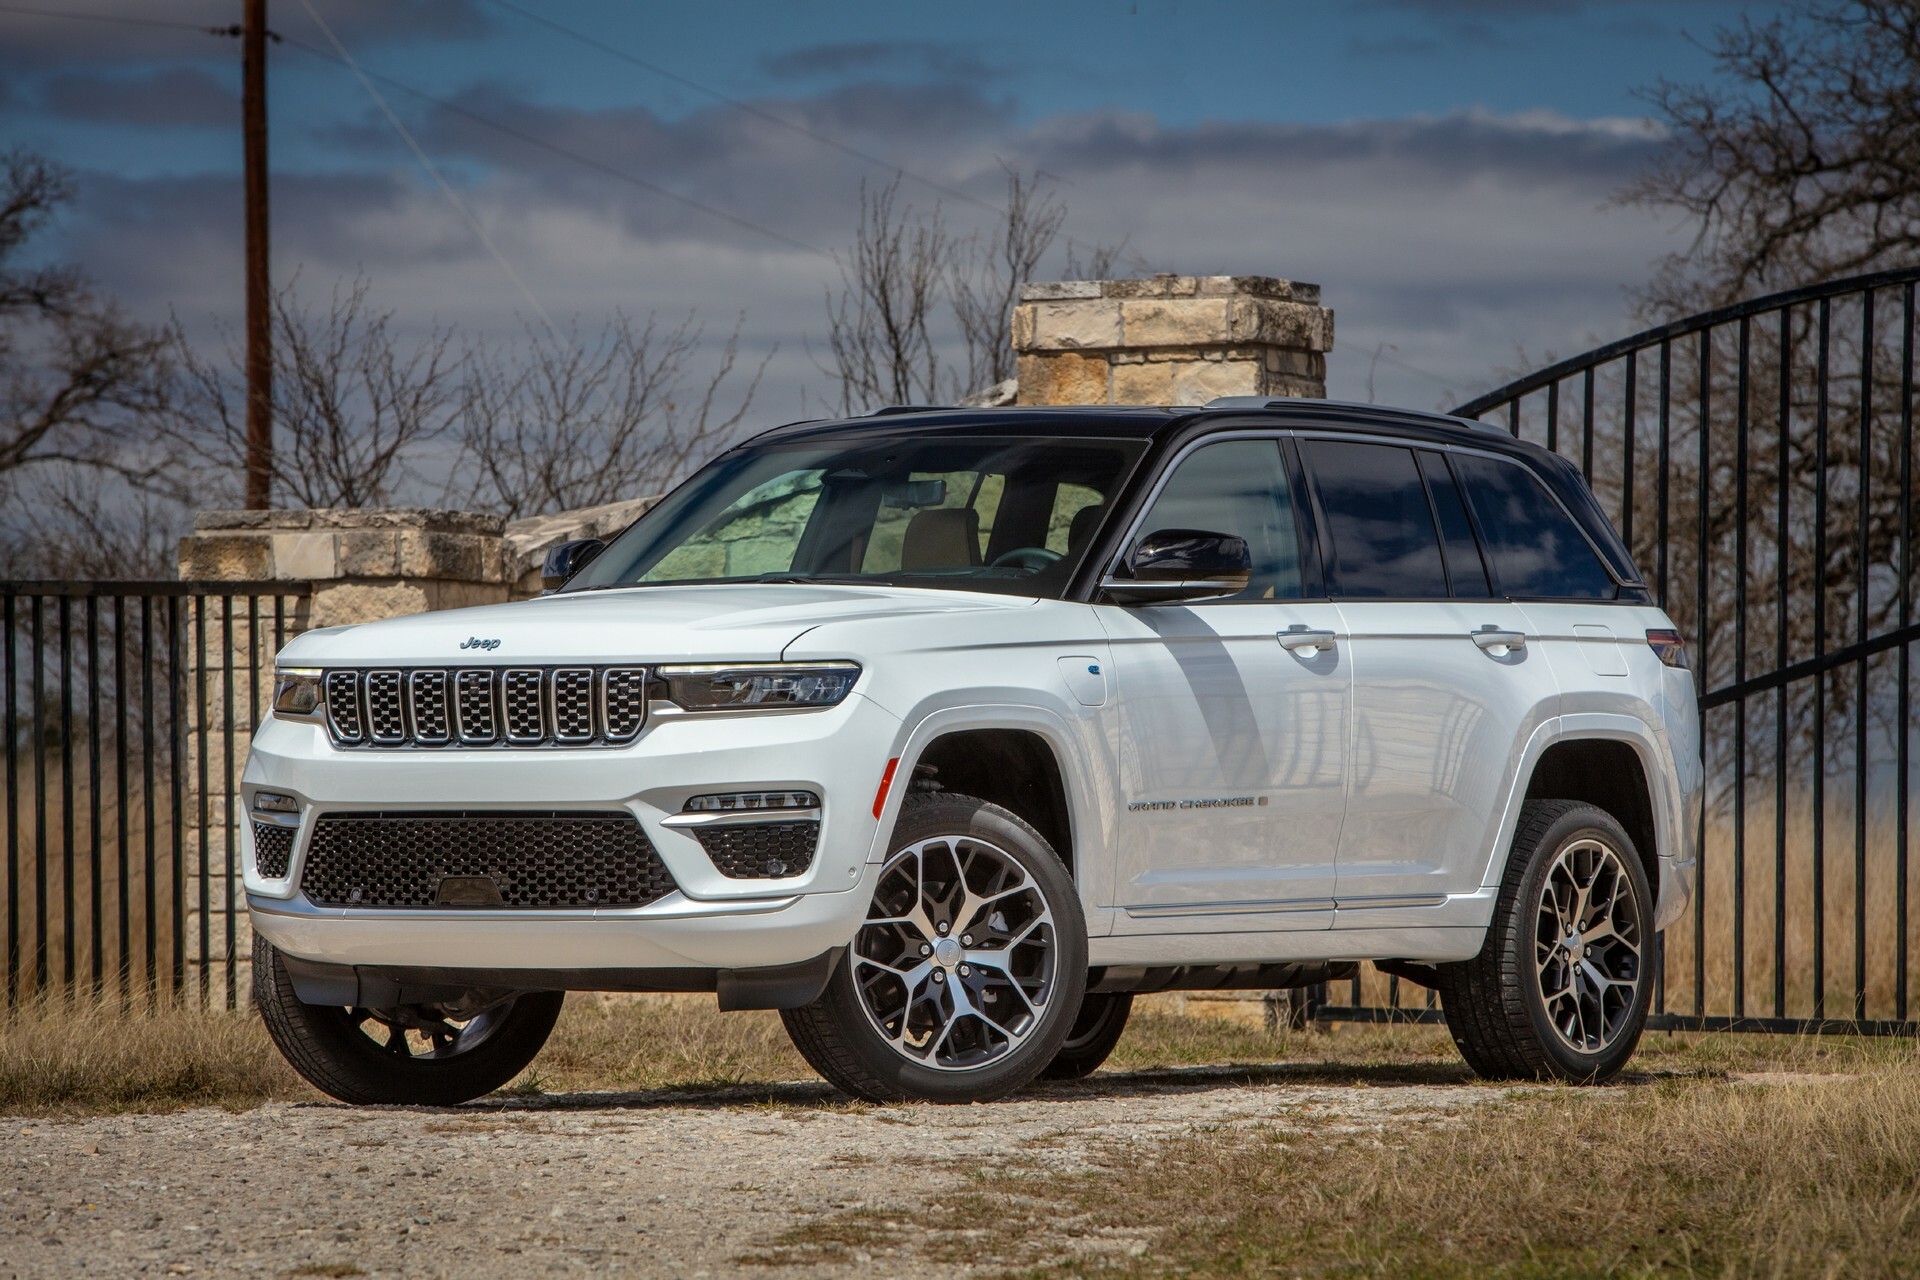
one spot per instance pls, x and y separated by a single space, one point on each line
1694 1177
60 1057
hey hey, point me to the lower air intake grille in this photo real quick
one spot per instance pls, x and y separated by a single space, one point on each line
272 849
533 859
760 850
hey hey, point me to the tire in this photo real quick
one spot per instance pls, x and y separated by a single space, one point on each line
334 1050
887 1028
1545 1000
1103 1016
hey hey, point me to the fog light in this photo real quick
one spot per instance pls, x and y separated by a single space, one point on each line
271 802
742 801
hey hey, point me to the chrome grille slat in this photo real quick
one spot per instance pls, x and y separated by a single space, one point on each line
453 707
573 705
475 705
525 699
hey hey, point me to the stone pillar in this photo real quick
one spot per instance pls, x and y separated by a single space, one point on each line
304 569
1170 340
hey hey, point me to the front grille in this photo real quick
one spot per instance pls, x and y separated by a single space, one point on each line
760 850
486 706
533 859
272 849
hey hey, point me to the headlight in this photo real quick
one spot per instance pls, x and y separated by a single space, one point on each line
296 693
760 685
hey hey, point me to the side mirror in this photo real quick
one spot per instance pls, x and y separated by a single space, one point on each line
1183 564
567 559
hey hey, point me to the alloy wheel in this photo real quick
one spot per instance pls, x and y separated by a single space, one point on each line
1587 944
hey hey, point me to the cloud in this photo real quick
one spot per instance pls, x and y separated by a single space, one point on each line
909 58
1452 238
175 96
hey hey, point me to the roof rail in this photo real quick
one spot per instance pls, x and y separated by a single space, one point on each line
887 409
1349 406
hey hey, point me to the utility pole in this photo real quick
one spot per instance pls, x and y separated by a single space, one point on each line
253 113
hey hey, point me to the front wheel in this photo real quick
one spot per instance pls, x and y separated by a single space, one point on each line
968 971
418 1055
1563 983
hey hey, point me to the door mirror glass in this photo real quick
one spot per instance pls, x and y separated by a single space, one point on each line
567 559
1183 564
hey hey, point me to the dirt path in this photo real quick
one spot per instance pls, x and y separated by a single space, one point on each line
678 1184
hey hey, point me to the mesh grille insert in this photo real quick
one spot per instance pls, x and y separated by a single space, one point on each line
272 849
525 720
534 859
626 702
473 690
386 722
343 706
760 850
432 721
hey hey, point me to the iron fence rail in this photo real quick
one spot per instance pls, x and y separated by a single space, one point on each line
127 708
1779 482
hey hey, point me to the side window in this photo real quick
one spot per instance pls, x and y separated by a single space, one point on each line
1238 487
1380 539
1537 550
1465 570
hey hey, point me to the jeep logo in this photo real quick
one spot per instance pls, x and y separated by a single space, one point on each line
475 642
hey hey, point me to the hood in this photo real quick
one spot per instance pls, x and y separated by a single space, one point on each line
721 623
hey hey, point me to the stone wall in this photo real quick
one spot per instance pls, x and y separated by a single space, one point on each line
1170 340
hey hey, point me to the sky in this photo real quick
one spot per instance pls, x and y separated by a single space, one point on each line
1444 169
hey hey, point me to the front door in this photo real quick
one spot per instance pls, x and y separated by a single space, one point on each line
1231 725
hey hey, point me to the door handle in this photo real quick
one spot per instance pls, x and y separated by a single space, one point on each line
1491 639
1299 638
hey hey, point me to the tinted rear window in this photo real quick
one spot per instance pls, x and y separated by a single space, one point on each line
1537 550
1464 567
1380 538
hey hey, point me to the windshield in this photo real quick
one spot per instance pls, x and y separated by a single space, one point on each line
982 514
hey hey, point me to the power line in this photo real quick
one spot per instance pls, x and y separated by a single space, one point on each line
543 144
434 169
756 112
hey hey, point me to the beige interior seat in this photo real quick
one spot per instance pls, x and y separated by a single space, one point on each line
943 538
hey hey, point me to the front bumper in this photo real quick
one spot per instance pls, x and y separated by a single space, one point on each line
710 921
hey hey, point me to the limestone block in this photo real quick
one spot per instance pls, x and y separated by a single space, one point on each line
339 603
367 553
209 521
1143 383
230 557
1060 290
463 595
1284 324
1259 287
1070 326
1063 377
1174 322
1160 286
461 556
1199 383
303 556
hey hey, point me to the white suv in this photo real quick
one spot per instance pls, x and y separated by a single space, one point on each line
946 731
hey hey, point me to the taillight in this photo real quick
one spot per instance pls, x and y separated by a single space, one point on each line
1668 647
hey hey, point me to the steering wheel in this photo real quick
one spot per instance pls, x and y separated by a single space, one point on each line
1032 559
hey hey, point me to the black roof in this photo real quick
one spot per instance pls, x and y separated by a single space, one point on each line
1141 423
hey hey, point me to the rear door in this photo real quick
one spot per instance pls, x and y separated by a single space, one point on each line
1447 684
1231 726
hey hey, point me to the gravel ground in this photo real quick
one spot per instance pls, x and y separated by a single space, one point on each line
681 1184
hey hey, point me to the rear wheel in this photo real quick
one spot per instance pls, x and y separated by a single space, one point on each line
1562 985
1103 1017
965 977
420 1055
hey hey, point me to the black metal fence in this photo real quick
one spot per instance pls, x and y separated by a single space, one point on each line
128 708
1759 461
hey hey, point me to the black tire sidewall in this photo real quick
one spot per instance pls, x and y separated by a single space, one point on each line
1090 1040
1582 822
929 817
322 1043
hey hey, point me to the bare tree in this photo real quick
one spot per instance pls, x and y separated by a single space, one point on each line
921 313
1802 162
355 405
75 374
556 422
